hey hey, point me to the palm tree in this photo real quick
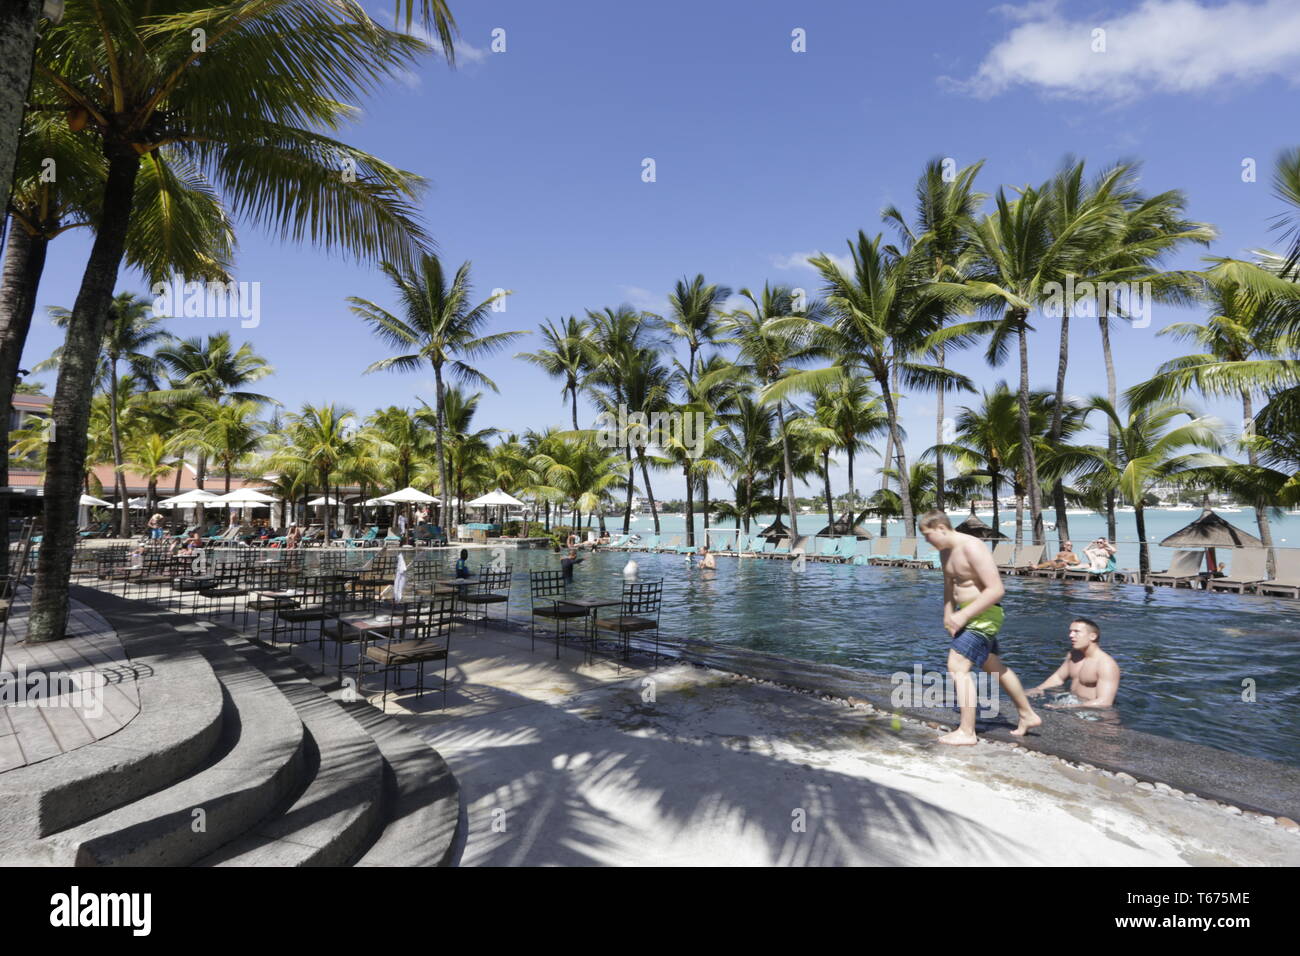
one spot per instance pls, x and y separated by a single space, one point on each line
944 206
695 307
772 337
132 328
439 328
1243 351
987 439
281 73
319 440
399 441
568 356
228 433
886 311
1018 252
152 457
1147 454
747 445
1286 186
1148 230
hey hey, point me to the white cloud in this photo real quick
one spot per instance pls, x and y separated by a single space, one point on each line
799 260
645 300
466 52
1165 46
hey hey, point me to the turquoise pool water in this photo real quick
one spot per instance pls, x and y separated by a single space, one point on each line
1184 654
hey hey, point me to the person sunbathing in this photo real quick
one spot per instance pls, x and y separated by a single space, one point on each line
1065 558
1099 554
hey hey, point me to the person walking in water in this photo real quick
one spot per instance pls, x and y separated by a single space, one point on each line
973 616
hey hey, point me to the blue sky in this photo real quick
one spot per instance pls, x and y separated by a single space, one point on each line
763 155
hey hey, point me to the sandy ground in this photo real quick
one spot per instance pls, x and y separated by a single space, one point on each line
566 763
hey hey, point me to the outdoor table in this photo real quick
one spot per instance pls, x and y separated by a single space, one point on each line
457 585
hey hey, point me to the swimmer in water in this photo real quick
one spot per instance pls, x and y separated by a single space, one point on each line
1093 674
707 563
972 616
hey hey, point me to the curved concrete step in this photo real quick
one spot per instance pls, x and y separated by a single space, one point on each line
178 726
334 819
258 762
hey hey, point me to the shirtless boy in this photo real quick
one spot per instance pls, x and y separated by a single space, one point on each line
1093 674
972 615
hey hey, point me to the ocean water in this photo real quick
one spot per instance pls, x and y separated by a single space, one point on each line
1083 528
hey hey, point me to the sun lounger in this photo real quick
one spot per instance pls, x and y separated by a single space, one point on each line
824 549
1087 574
928 560
848 549
671 544
882 551
649 543
1028 558
906 552
1249 568
1004 553
1287 582
1183 569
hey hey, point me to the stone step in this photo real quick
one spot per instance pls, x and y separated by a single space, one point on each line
340 812
179 724
258 761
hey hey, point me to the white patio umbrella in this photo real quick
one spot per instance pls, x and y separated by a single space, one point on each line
189 499
496 498
134 503
92 500
407 496
322 500
249 496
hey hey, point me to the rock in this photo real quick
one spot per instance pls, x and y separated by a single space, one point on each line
1266 821
1145 786
1126 777
1231 810
1164 787
1287 823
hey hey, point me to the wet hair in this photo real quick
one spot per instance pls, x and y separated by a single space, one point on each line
935 519
1090 624
464 554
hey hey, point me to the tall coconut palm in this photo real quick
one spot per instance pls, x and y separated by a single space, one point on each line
695 308
747 445
131 330
944 206
279 74
228 433
319 439
1149 453
440 329
885 311
772 336
1149 229
1019 251
18 33
1245 350
1286 186
567 356
152 457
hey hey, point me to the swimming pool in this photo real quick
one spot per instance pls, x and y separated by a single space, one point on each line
1190 660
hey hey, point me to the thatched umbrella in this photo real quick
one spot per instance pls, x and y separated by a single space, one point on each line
842 526
776 529
976 528
1210 531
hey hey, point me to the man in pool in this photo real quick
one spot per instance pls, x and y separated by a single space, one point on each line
972 615
1093 674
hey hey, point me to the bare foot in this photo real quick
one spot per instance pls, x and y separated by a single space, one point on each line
959 739
1026 724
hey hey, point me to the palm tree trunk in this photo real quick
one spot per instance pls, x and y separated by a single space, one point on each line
789 472
119 478
1020 515
631 488
826 476
1144 560
24 262
1027 438
995 477
18 22
1058 486
650 495
904 481
704 490
853 495
442 457
1111 440
1261 507
938 433
574 389
690 507
66 460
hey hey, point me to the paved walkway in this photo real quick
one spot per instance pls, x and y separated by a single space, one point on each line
564 763
98 699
